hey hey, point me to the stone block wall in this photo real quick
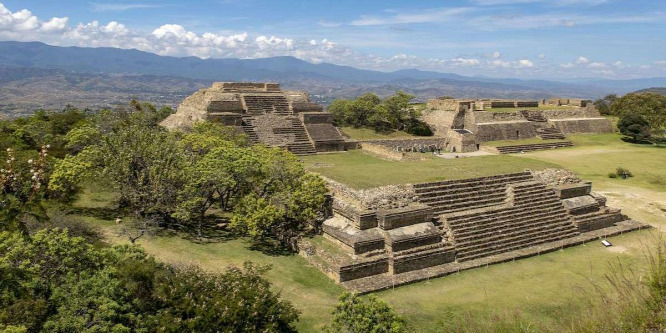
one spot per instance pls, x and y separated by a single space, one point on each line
442 104
573 190
420 260
359 270
403 216
489 117
439 120
586 125
505 131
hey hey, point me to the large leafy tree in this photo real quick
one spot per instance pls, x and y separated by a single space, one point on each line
651 106
634 126
392 113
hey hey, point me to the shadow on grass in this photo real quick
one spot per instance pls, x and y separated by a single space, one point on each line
102 213
655 144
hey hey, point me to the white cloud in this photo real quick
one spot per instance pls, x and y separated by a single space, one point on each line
525 63
466 62
424 16
542 56
567 65
121 7
597 65
582 60
496 55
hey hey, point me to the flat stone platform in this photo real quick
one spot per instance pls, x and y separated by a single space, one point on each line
385 281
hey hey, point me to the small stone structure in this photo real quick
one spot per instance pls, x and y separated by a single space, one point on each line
392 235
450 117
265 114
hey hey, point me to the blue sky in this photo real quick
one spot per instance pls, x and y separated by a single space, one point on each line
501 38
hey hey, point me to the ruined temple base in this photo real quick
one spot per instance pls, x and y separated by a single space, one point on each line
386 281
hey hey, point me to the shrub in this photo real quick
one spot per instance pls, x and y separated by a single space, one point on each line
612 175
364 315
622 171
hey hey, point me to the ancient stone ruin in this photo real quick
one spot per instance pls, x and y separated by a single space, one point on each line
466 124
388 236
265 114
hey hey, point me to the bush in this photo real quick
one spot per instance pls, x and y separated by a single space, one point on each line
622 171
364 315
612 175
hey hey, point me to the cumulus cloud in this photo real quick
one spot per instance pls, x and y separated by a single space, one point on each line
582 60
525 63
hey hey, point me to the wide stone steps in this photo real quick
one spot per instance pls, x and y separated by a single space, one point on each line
454 196
495 240
534 116
535 216
544 238
470 226
301 148
550 133
267 104
516 228
249 129
461 183
531 147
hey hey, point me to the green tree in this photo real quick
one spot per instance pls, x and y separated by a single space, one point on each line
634 126
22 190
357 314
603 105
651 106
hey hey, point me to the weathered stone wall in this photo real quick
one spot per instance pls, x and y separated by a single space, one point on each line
421 260
440 121
442 104
505 131
573 190
489 117
461 142
390 196
265 127
359 270
556 177
571 113
316 118
582 125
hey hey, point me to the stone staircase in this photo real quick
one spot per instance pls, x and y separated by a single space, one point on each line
458 195
534 116
249 129
535 216
261 104
531 147
550 133
302 144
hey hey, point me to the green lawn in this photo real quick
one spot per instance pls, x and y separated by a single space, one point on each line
370 134
542 107
360 169
596 155
546 290
519 142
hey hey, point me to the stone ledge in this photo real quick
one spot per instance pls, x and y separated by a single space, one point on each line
385 281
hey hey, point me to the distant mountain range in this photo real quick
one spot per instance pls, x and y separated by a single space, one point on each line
34 75
658 90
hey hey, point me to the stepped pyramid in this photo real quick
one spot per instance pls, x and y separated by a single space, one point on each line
265 114
398 234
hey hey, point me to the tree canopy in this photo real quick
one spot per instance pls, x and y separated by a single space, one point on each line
392 113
